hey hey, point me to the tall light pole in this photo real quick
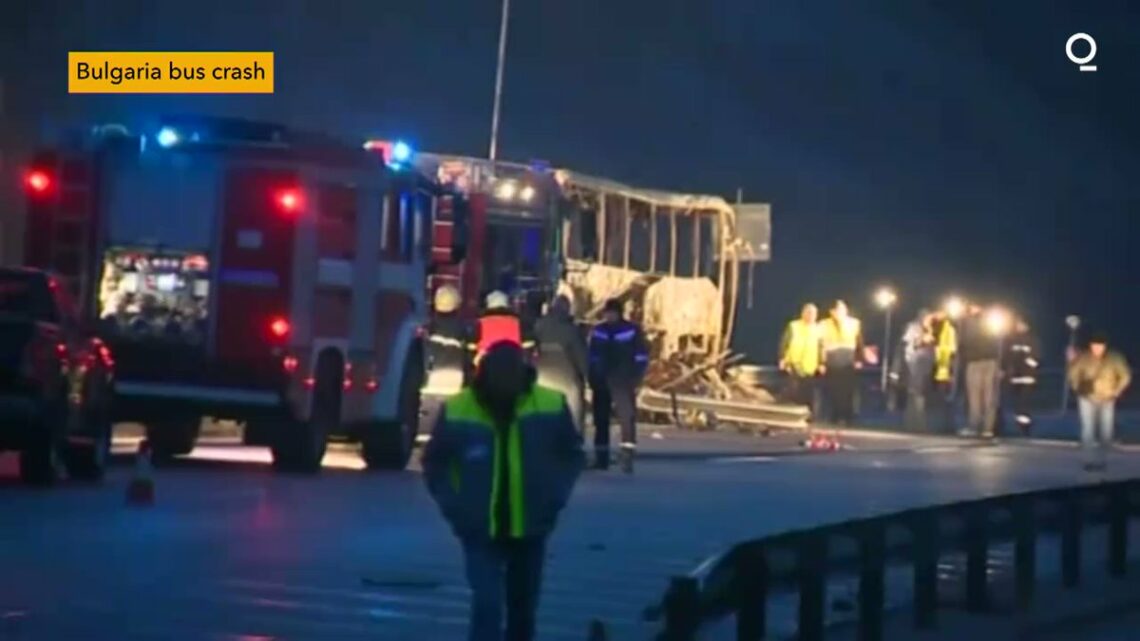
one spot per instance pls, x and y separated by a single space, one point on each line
885 298
1073 322
499 80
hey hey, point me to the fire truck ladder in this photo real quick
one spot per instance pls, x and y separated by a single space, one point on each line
71 226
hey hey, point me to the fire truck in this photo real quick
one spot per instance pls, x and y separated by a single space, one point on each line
250 272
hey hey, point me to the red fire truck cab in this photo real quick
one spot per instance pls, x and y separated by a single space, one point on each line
250 272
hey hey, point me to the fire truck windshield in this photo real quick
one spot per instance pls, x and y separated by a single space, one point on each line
512 255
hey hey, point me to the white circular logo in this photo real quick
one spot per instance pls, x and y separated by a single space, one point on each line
1082 62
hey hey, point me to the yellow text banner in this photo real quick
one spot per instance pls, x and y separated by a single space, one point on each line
170 72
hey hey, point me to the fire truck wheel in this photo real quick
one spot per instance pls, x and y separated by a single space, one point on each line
388 445
302 444
173 437
41 461
87 461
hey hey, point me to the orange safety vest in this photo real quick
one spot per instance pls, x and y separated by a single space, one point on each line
497 328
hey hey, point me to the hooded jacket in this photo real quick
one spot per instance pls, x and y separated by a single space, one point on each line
502 463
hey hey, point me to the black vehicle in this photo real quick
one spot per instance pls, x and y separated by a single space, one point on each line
55 382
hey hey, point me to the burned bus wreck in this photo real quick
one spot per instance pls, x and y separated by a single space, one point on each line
675 260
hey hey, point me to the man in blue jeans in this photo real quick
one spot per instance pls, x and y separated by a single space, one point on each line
501 464
1098 376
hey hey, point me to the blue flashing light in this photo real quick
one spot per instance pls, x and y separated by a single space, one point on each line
167 137
401 153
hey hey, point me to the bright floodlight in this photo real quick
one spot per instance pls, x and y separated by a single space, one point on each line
997 321
526 193
505 190
885 297
401 152
167 137
955 307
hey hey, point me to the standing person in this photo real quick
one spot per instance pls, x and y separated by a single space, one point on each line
842 344
1022 368
563 362
497 323
981 354
447 334
1098 376
799 355
918 355
501 464
619 356
940 404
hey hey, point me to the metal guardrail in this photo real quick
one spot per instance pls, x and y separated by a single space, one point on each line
738 583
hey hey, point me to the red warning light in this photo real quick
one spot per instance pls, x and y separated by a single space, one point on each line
289 200
38 181
279 327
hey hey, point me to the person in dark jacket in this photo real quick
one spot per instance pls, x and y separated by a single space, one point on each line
981 356
1021 366
501 464
563 363
447 333
619 357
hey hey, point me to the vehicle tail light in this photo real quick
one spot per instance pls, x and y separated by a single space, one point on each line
310 382
279 327
347 376
289 200
290 364
372 385
38 181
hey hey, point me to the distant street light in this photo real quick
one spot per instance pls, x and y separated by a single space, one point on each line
885 298
504 21
955 307
1073 322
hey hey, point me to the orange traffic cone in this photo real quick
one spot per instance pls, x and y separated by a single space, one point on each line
140 491
597 631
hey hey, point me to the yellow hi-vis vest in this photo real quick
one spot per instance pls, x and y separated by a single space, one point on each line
944 352
836 335
802 352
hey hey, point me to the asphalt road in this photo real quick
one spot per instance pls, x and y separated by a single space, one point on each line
233 552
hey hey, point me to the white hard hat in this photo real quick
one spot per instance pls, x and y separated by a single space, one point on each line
498 300
446 299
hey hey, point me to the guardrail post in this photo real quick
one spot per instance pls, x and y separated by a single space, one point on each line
1024 549
872 567
811 562
1118 513
977 557
752 597
924 536
682 609
1071 539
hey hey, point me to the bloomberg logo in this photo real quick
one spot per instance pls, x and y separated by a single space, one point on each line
1081 62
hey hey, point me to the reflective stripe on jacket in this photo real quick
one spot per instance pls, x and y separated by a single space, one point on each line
944 352
543 455
801 347
618 350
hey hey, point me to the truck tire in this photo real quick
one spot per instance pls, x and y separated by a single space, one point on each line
388 445
174 437
301 445
87 461
41 460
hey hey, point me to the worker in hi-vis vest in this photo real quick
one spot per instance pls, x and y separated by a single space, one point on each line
498 323
800 355
841 337
940 406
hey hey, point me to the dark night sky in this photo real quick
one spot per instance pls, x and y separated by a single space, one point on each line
943 145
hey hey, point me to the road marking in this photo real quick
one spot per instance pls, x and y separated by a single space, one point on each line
937 449
743 459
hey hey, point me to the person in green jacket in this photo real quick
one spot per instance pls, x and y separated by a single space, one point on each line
1099 376
501 464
